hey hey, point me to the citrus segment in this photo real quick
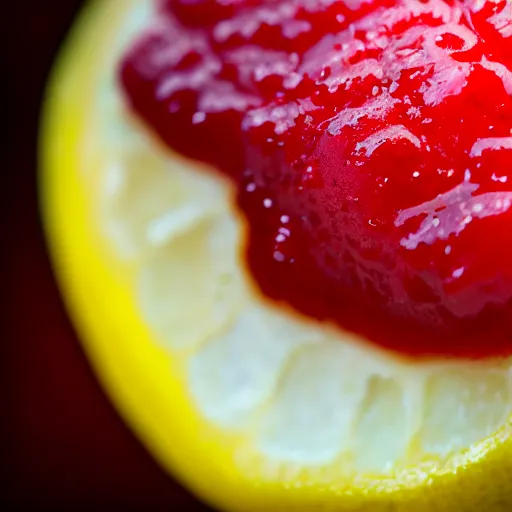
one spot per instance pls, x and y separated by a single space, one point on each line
252 406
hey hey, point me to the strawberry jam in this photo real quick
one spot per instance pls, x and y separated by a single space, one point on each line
371 145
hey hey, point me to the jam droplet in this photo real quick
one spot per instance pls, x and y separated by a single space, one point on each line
371 142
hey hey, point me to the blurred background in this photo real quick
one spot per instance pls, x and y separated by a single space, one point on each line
63 445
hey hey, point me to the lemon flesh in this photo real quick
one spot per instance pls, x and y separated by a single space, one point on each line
249 405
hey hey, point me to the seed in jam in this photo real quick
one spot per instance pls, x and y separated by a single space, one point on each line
371 144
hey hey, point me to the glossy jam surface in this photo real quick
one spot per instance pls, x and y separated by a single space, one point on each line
371 143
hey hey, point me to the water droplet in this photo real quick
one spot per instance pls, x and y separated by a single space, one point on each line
458 273
198 117
279 256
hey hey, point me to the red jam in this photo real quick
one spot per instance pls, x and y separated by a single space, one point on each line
371 143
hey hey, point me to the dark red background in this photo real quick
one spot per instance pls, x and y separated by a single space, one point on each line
63 445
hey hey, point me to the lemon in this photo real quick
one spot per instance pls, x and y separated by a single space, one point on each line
250 406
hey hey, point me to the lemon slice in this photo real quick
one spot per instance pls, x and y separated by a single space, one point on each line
250 406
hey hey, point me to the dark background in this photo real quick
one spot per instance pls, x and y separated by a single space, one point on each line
63 445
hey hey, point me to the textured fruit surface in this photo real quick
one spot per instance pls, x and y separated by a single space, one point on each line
254 409
371 144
